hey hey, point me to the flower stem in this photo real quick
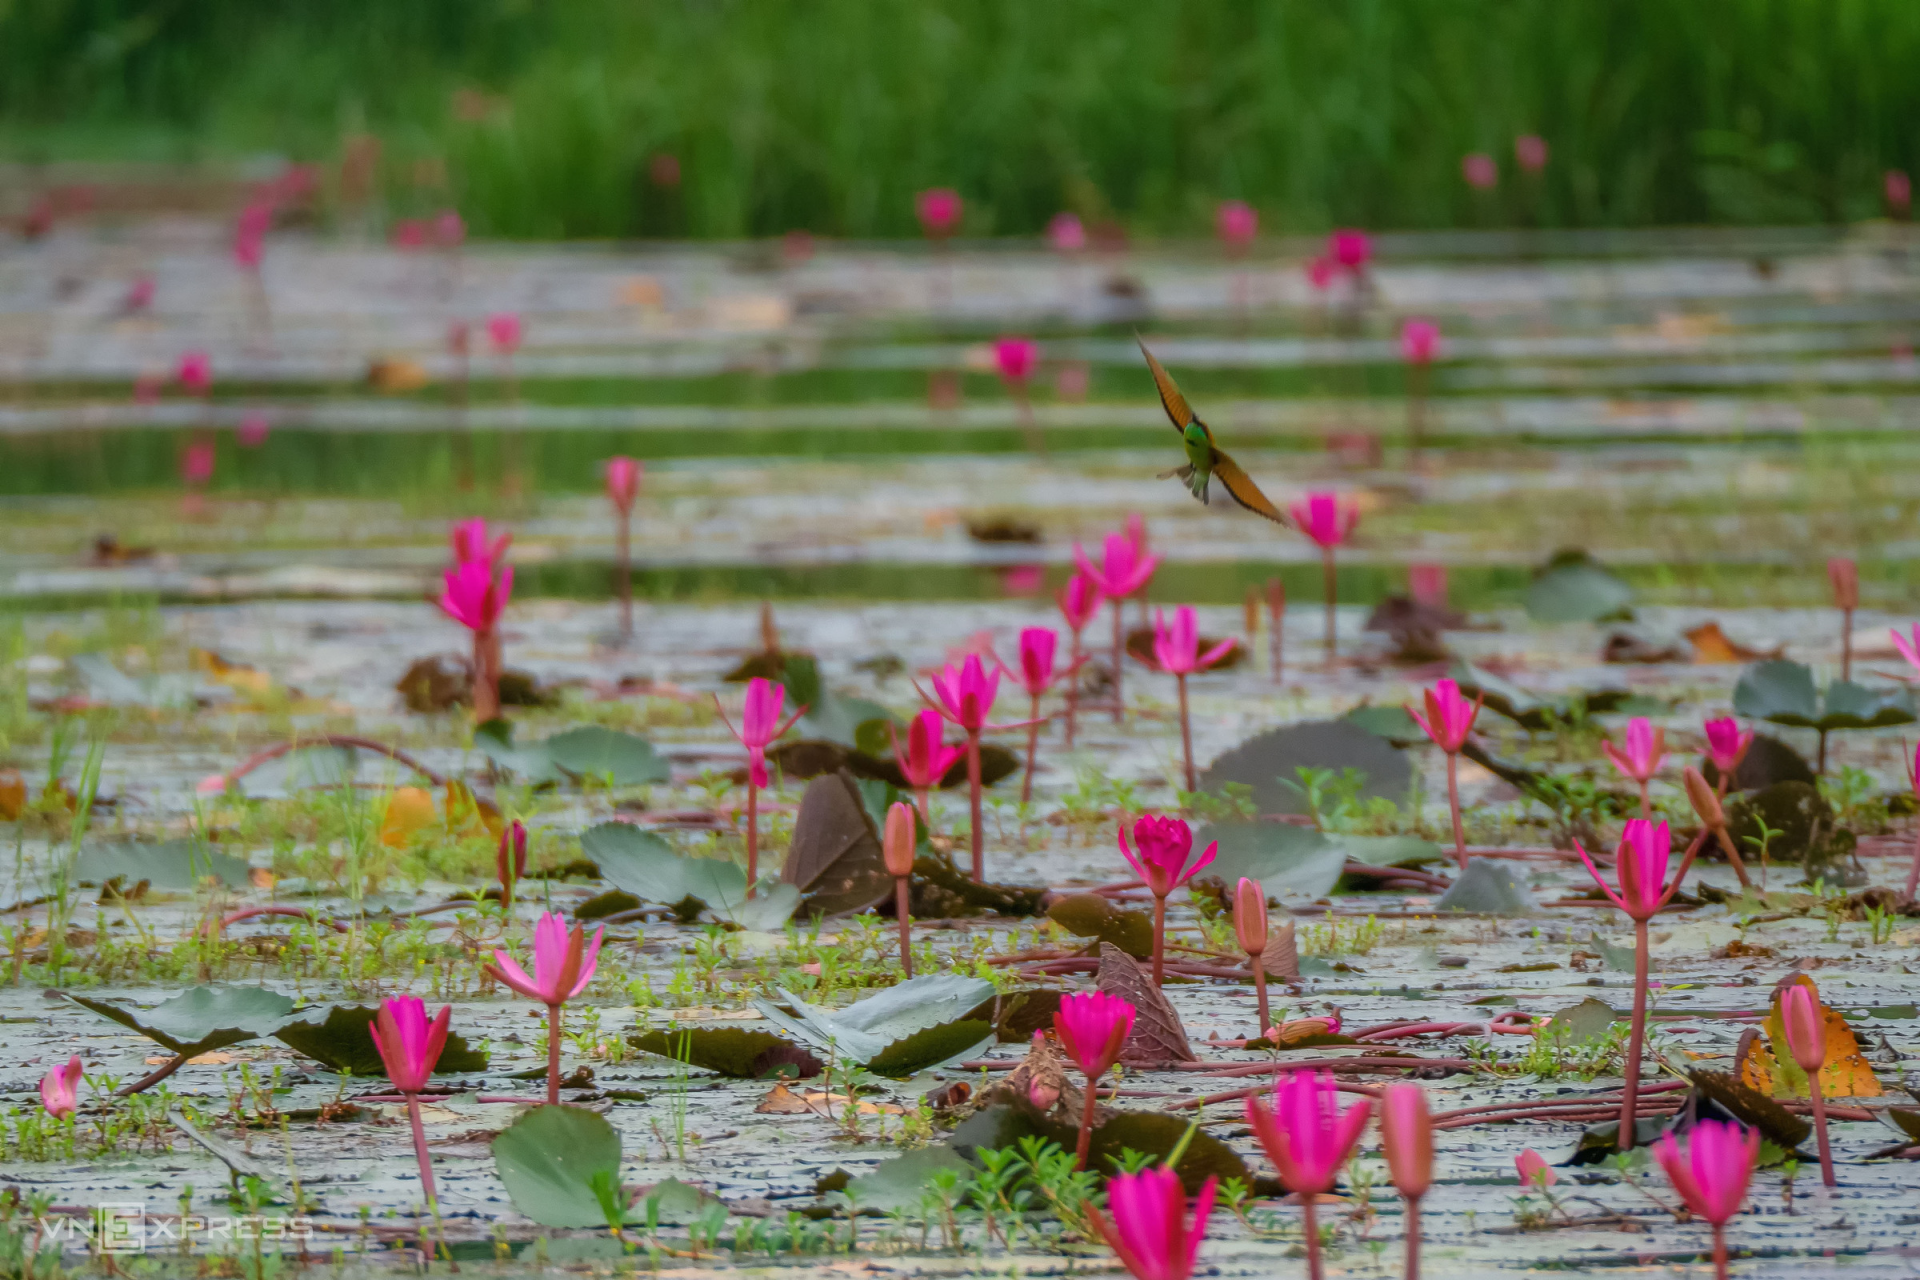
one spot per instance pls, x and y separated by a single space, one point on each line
553 1053
1453 804
1159 937
1186 732
1326 570
906 925
486 688
1033 751
1820 1128
926 819
1631 1090
1846 652
1310 1227
1413 1239
1646 805
973 797
623 574
420 1148
1719 1251
1913 872
1073 690
1260 993
1119 652
753 836
1086 1127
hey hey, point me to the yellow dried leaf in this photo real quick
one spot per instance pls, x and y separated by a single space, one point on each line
409 810
1769 1066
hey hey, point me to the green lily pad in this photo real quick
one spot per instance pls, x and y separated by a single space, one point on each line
1539 714
867 1028
1574 587
936 1046
174 864
1487 887
1783 692
594 751
900 1182
561 1167
317 768
1269 763
643 864
1588 1020
1088 915
531 763
735 1052
1281 856
672 1203
1150 1133
342 1042
1391 723
1389 851
201 1019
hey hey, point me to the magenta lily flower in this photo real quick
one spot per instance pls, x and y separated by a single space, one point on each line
1806 1027
469 541
410 1047
1645 752
1148 1227
60 1088
759 726
1419 341
1079 601
1534 1170
1640 864
1711 1175
1092 1027
1327 519
1036 676
1727 747
1015 358
510 861
1237 224
1530 152
1406 1134
1320 273
563 964
1125 569
1165 862
623 485
925 762
1448 721
1480 170
505 331
1066 233
475 599
1308 1138
938 209
196 464
196 373
966 698
1908 645
1176 650
1350 249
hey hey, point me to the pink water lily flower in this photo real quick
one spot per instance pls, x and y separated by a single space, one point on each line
1092 1027
1350 249
1449 717
938 209
1015 358
1480 170
926 759
409 1045
1645 750
1805 1022
563 962
1533 1169
1530 152
1146 1223
1727 744
196 463
1124 568
1306 1135
505 331
1080 601
196 372
1908 645
1165 859
1036 674
1406 1130
1236 223
623 480
1066 233
60 1088
1326 518
1640 866
1712 1172
469 541
967 693
1176 645
760 725
1419 341
252 431
473 597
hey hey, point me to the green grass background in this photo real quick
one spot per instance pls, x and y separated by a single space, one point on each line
829 114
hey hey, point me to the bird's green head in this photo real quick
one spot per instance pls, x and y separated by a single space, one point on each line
1195 434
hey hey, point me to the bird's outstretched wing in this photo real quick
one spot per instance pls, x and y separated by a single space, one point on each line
1178 410
1241 488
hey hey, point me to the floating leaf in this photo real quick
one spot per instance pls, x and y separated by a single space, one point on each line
1016 1015
936 1046
1752 1107
594 751
1150 1133
1487 887
1389 851
900 1182
1391 723
645 865
767 911
1783 692
1769 1067
867 1028
1768 760
201 1018
532 763
835 859
559 1165
1089 915
318 768
1283 857
341 1042
1580 1023
1269 763
1158 1036
409 812
1573 587
174 864
732 1051
1531 711
672 1203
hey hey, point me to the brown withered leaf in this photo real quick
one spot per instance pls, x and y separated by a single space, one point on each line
13 795
1712 645
1158 1036
835 858
1281 959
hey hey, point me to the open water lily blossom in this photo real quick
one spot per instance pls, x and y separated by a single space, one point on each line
410 1047
1079 601
60 1088
1176 651
475 596
925 759
1328 520
1165 861
1640 759
966 692
563 964
1308 1138
1727 746
1147 1226
759 728
1125 567
1448 720
1711 1174
1092 1028
1036 675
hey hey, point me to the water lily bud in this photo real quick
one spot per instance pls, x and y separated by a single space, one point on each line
1705 803
897 846
1806 1029
1844 575
1250 916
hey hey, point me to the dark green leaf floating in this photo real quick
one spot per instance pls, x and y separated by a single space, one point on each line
1489 888
1150 1133
1574 587
174 864
1783 692
1089 915
887 1028
924 1050
201 1019
594 751
1269 763
561 1167
341 1042
731 1051
643 864
1283 857
900 1182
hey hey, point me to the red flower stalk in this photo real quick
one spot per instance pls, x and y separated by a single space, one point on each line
1079 601
409 1048
1176 651
1165 862
623 486
1406 1131
1125 568
1645 752
1308 1138
1712 1175
1448 721
1148 1226
1640 866
759 726
1806 1027
1844 575
1036 676
1328 520
1092 1027
966 698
